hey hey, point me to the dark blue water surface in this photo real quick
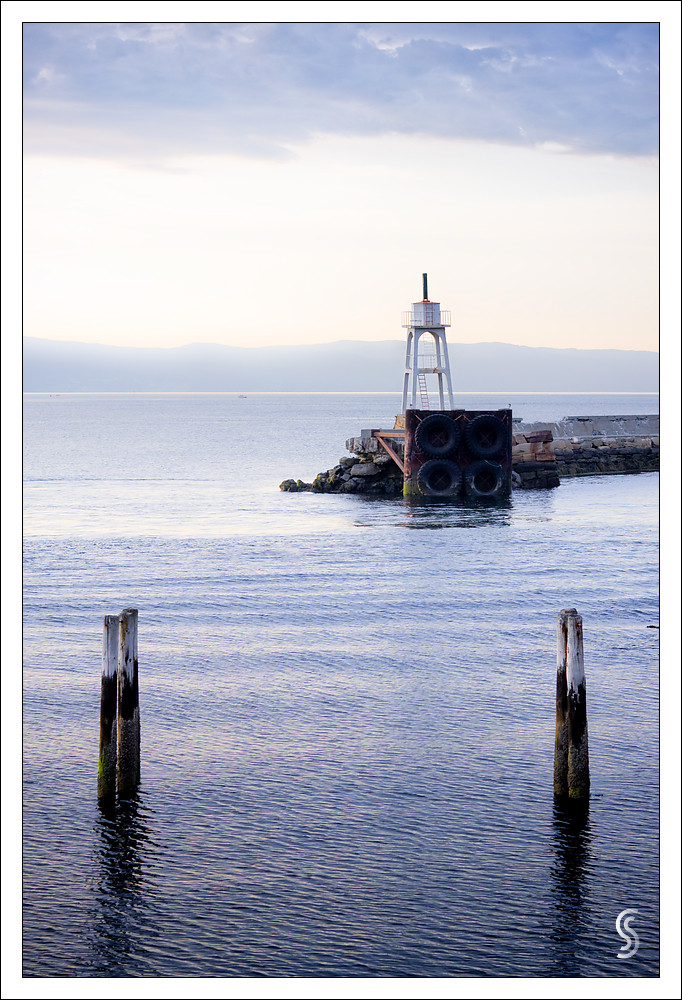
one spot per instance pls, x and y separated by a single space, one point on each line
347 705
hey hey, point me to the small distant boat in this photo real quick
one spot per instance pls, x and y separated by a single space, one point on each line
242 396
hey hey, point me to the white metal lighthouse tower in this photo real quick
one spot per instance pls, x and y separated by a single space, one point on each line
430 357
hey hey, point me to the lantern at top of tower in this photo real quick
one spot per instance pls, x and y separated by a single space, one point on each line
426 314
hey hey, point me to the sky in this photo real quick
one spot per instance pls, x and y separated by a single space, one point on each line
288 182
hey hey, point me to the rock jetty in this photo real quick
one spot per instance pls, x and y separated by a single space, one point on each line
542 455
375 475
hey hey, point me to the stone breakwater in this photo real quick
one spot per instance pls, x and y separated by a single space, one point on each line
584 446
542 455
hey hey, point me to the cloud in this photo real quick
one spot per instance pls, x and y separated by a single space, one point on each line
167 89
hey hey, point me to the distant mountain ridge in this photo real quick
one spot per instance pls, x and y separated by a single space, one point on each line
341 366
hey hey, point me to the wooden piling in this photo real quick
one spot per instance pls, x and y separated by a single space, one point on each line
128 772
571 756
106 768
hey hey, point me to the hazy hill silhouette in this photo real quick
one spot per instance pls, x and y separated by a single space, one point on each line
342 366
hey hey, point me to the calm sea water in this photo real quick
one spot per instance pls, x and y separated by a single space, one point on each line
347 704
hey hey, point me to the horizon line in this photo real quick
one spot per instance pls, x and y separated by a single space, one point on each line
327 392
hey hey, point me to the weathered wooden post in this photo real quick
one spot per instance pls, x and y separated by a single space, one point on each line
128 774
106 768
571 756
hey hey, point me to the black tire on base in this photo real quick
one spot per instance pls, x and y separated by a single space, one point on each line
437 435
485 436
440 478
485 479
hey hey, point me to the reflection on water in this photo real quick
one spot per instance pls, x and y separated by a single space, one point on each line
435 513
569 887
464 512
124 890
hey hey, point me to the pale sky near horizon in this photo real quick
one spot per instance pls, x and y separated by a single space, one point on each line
259 182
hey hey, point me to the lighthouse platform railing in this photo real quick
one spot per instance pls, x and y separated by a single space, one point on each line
408 320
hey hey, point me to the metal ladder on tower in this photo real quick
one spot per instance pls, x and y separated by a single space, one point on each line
423 392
